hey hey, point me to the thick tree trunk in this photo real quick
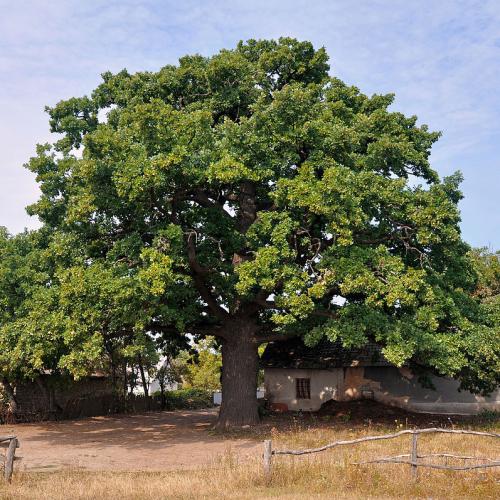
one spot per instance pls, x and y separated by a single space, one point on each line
239 379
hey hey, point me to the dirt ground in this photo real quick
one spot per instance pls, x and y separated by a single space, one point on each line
172 440
149 441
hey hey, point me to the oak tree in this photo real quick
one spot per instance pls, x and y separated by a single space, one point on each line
251 196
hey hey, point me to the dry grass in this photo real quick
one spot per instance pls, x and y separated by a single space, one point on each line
330 474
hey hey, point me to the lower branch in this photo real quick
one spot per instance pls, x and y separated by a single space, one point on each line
273 337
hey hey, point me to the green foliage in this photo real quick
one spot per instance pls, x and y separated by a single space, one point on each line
487 266
188 399
28 343
244 192
201 366
489 417
482 371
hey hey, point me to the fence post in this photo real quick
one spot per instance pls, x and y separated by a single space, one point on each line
9 460
414 456
268 454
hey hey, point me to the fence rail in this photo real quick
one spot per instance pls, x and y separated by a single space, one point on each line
411 458
11 443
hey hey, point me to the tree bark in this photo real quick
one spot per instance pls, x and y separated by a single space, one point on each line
9 391
143 379
240 367
144 383
125 379
163 400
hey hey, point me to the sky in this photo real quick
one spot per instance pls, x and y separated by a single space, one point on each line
440 58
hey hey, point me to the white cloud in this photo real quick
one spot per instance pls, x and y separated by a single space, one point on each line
441 59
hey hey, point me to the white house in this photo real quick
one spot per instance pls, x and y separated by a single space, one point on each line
297 377
153 384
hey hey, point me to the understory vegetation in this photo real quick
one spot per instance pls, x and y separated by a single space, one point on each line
188 399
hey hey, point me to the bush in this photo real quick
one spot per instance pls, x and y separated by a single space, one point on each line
201 365
187 399
488 416
4 408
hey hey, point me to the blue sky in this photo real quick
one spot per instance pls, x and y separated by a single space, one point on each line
441 58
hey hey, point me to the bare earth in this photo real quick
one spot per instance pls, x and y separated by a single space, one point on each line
170 440
149 441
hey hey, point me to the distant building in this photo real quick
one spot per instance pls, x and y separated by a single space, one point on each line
153 383
297 377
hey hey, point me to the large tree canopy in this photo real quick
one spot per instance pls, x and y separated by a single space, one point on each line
251 196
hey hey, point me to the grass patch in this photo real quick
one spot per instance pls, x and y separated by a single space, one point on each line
331 474
292 478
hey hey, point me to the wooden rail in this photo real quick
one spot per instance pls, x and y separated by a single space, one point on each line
411 458
11 443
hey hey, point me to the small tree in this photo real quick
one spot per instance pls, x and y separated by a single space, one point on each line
163 378
203 366
482 372
27 299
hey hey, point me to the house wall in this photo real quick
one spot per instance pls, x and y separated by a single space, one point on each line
154 386
217 396
389 385
400 387
280 387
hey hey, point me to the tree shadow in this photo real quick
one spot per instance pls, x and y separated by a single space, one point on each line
152 430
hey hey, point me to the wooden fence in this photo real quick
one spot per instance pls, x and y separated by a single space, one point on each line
10 443
411 458
81 407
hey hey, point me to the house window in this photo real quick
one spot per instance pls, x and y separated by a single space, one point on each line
303 388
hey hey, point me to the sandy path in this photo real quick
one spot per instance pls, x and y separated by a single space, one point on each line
150 441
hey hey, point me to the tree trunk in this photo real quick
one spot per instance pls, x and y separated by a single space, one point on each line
163 401
125 379
143 379
132 380
144 383
9 391
240 366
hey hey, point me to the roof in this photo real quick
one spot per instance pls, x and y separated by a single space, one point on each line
323 356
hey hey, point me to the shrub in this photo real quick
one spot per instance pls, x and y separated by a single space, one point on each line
188 399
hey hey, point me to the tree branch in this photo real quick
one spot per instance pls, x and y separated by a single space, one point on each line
191 252
209 330
267 304
248 209
198 276
274 337
201 197
270 304
325 314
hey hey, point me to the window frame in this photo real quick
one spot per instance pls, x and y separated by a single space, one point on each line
303 388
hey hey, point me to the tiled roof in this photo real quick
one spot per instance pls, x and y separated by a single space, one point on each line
325 355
